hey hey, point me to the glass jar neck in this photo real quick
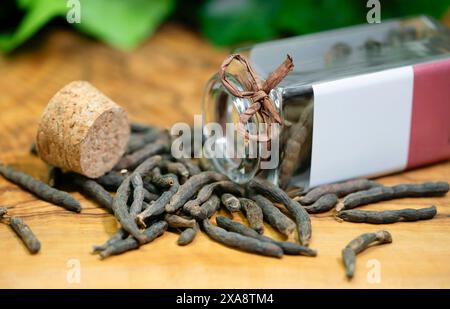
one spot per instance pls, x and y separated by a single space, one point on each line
228 151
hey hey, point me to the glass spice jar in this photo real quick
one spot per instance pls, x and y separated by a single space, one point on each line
361 101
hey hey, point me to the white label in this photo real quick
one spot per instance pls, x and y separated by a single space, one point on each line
361 125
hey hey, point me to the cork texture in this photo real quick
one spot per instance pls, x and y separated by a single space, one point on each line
82 130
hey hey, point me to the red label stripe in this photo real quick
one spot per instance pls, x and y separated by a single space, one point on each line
430 123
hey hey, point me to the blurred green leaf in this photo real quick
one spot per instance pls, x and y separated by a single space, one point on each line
307 16
404 8
39 13
126 23
123 24
435 8
226 22
25 3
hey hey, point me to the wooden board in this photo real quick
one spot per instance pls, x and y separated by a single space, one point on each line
162 83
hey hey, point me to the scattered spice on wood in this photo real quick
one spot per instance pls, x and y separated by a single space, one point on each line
40 189
161 180
205 192
287 247
138 194
188 235
291 248
191 187
358 245
146 205
211 206
146 177
149 186
159 206
3 211
241 242
205 165
324 203
26 234
253 214
300 215
192 168
341 189
194 210
130 243
119 235
388 216
176 168
378 194
294 192
111 180
121 198
138 141
275 217
93 190
231 202
140 127
176 221
149 196
120 209
134 159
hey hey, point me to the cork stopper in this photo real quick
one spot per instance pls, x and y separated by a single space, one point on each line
82 130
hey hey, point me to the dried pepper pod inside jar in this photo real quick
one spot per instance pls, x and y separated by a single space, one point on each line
361 101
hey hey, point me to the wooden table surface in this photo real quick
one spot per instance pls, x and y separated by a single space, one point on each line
161 83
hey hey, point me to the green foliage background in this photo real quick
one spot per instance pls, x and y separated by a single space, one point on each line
126 23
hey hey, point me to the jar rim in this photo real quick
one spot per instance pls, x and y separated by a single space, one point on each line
220 106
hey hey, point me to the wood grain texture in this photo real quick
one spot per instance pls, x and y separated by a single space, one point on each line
162 83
